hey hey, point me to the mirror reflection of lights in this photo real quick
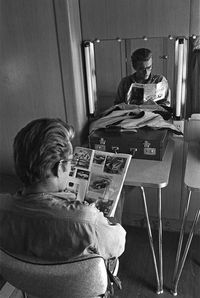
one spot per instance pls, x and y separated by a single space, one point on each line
118 39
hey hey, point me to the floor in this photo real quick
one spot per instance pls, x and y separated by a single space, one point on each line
137 272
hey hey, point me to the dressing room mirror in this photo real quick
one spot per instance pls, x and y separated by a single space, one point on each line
113 62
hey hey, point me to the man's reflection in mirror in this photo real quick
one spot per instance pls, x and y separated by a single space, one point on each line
142 64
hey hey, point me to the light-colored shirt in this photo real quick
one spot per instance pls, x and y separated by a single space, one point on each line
50 227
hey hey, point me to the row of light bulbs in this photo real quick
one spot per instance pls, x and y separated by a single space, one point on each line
170 37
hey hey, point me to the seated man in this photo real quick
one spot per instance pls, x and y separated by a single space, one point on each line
142 63
42 222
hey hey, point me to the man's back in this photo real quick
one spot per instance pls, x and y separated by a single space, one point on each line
50 227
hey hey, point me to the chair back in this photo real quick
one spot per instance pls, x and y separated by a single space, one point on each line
192 128
81 278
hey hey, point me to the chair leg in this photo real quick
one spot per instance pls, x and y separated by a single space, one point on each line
116 269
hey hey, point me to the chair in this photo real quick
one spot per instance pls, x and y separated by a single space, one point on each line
78 279
192 128
191 181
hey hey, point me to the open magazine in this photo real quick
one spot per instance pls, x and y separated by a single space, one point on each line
145 92
97 177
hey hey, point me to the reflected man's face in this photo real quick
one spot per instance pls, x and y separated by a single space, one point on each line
143 70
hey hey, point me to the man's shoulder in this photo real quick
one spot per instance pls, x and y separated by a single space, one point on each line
5 199
128 79
4 196
71 210
157 78
48 206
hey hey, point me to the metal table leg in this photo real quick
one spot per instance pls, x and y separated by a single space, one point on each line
159 278
187 246
160 240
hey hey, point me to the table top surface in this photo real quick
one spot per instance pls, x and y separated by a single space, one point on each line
192 169
151 173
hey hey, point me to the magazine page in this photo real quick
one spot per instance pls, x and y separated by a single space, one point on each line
136 93
97 177
145 92
80 172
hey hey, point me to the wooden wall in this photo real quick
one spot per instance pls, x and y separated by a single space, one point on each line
127 18
40 68
194 17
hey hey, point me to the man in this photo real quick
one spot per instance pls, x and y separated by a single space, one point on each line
142 63
42 222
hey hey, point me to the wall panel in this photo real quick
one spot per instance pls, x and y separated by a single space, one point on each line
30 75
128 18
40 68
195 17
110 68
